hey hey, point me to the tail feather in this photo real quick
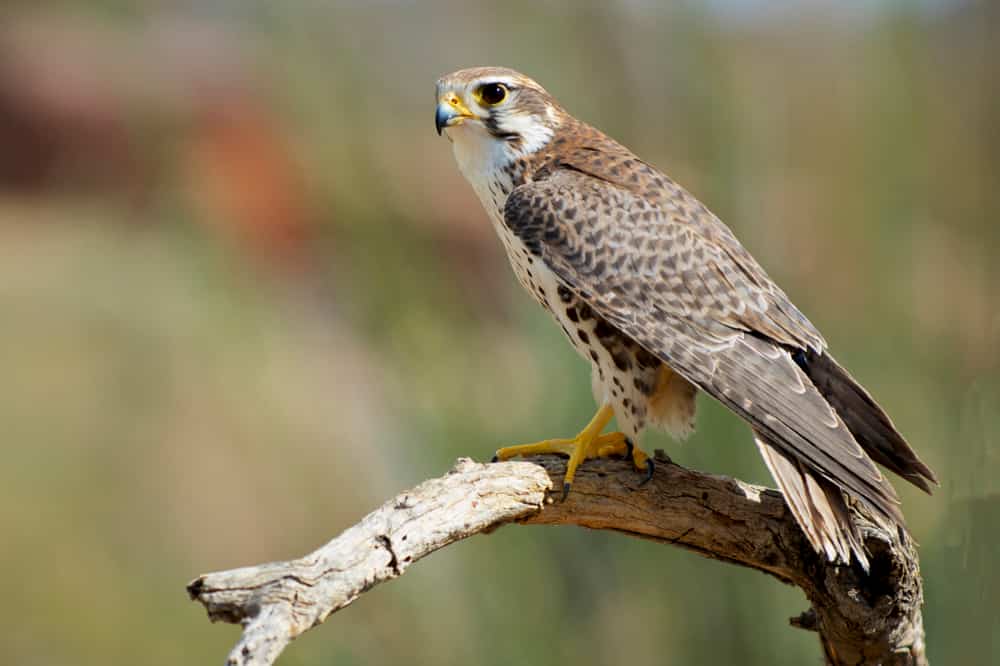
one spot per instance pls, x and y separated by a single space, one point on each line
817 505
870 425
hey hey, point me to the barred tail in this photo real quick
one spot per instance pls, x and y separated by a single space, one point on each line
817 504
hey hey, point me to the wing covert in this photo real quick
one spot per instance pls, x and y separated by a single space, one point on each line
702 305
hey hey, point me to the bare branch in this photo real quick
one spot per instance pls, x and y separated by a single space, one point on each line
873 619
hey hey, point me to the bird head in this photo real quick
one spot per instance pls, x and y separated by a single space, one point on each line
494 114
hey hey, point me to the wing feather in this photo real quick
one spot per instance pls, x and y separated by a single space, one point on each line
689 293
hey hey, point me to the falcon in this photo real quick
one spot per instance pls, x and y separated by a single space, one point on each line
661 298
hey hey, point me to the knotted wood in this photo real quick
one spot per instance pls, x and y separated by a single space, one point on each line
861 619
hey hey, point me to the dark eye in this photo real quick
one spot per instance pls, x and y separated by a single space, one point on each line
492 93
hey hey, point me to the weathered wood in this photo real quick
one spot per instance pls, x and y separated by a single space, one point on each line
861 619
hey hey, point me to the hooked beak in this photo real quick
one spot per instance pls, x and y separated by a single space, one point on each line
450 111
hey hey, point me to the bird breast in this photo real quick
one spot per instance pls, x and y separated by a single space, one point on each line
634 382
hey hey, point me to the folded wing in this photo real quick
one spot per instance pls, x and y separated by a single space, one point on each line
709 311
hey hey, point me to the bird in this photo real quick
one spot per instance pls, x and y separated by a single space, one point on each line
664 302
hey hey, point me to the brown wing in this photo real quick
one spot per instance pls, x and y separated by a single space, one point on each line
761 306
704 308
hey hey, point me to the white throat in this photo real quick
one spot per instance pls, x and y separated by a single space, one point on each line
479 154
487 161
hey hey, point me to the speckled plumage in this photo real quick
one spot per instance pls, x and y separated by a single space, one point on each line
660 297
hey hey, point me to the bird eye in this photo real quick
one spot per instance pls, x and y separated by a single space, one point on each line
492 94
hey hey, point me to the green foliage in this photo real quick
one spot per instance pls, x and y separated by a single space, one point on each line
176 403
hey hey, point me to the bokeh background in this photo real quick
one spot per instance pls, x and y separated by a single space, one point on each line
245 296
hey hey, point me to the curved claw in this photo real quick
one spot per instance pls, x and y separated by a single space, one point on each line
566 487
629 448
495 458
650 468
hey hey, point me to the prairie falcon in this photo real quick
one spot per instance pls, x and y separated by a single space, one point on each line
659 295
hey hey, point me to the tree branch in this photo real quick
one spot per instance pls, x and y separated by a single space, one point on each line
861 619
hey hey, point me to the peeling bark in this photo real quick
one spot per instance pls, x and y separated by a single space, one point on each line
860 619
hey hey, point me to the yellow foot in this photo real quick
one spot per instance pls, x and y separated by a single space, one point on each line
602 446
588 444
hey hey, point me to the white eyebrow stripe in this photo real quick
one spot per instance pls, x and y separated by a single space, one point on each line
505 80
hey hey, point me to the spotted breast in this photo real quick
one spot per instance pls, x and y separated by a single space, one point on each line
640 388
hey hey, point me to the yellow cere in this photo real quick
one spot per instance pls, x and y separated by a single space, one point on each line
455 102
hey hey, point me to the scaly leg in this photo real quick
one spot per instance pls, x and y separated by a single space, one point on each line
590 443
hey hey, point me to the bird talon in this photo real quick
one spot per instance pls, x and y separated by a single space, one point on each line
565 492
650 468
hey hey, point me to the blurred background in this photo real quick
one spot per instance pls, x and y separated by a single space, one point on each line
245 296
